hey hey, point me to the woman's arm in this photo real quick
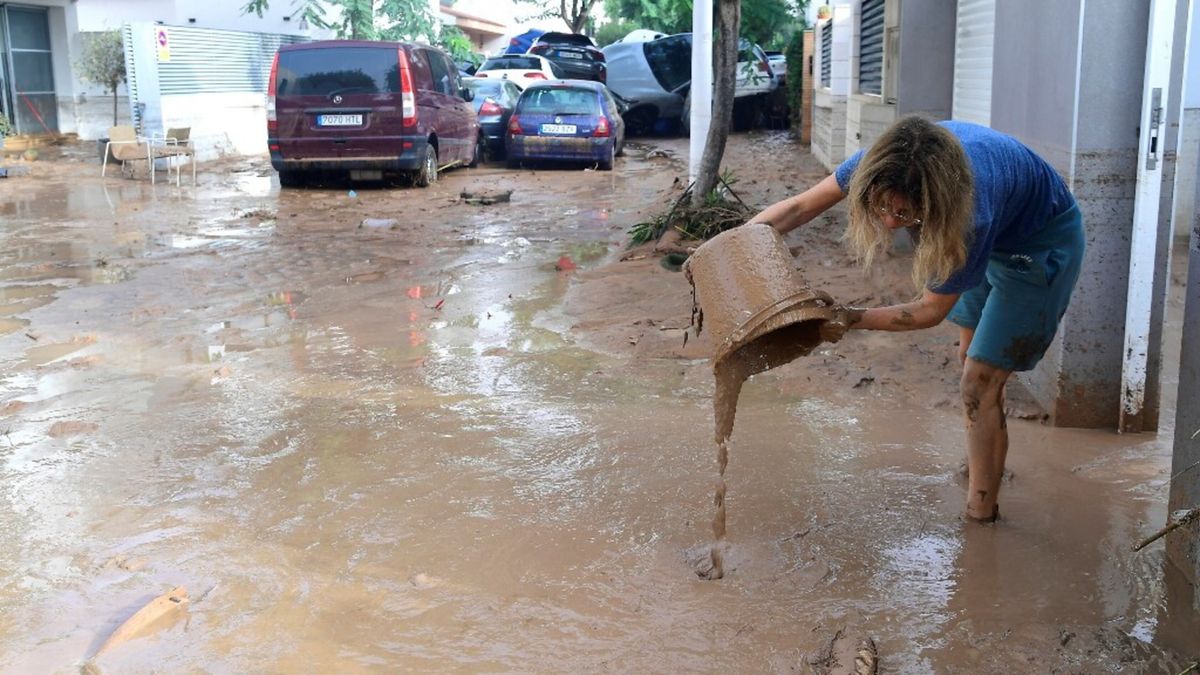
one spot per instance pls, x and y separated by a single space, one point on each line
793 212
927 311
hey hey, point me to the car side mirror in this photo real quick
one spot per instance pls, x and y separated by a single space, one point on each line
467 94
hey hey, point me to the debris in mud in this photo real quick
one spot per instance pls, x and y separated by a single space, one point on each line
685 221
565 264
14 171
658 154
378 224
165 606
845 656
486 198
71 428
257 214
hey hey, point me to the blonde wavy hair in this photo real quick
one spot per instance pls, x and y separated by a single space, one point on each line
925 163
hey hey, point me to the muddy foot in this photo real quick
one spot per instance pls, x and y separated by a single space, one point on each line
986 520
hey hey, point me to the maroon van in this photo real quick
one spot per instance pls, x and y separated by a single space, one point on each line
369 108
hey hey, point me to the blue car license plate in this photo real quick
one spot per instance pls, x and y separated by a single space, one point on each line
339 120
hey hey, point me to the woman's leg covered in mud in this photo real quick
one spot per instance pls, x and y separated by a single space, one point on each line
987 435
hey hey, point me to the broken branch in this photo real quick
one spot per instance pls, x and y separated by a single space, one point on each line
1178 520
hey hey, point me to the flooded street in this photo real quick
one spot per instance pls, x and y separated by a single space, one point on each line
473 440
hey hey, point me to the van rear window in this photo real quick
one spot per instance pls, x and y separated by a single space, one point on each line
342 70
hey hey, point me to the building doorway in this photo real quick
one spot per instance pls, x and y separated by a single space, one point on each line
26 70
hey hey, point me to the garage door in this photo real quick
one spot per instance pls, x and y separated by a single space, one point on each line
974 35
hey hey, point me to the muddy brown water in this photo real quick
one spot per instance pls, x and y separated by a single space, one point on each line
270 412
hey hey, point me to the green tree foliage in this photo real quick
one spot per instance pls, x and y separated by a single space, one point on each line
796 70
378 20
766 22
102 62
612 31
665 16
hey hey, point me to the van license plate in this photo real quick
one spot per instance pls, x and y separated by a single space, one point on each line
558 128
571 55
339 120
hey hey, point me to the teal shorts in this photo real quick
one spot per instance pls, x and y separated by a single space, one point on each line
1016 310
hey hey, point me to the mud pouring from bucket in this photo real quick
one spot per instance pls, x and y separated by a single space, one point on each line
761 314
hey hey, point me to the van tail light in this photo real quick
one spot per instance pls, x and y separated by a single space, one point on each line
490 109
597 55
539 49
478 74
408 97
535 76
763 67
272 117
514 126
602 128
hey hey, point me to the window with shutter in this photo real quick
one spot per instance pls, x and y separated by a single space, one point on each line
870 48
826 53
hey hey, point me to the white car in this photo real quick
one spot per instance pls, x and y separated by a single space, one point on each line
520 69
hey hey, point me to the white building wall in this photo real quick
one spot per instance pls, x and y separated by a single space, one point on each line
1189 139
225 14
829 103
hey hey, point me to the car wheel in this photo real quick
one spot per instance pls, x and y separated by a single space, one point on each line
428 173
513 163
607 164
291 179
621 149
481 152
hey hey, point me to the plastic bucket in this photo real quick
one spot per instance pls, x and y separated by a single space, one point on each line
756 306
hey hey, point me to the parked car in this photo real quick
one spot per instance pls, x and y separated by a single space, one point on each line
567 120
370 109
778 63
655 77
522 68
576 55
494 103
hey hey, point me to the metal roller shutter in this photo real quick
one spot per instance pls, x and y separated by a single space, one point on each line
204 60
973 43
870 48
826 53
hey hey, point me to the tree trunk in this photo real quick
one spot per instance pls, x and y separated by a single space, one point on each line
114 106
724 81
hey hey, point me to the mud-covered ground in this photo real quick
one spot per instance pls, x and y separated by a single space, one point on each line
473 440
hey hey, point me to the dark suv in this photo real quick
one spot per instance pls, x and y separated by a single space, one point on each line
368 108
576 55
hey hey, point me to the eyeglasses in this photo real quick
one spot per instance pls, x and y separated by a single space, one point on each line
901 217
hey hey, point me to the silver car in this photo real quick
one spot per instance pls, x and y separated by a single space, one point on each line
653 78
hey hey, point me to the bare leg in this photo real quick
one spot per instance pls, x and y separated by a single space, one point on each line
987 435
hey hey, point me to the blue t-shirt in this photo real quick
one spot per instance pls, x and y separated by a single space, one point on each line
1016 194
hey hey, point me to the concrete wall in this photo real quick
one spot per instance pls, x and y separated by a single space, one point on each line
1096 55
866 118
1186 169
240 128
1189 144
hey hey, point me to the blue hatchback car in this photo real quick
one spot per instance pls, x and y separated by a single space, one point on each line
566 120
